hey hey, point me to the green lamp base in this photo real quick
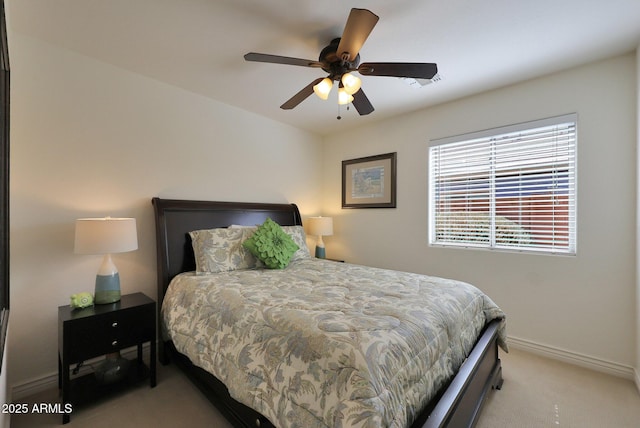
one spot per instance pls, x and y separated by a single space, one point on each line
107 289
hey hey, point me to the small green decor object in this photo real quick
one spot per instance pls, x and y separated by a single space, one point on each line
81 300
271 245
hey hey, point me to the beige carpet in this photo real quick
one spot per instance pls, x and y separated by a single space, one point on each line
537 392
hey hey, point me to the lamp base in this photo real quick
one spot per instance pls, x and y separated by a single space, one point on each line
107 289
112 369
320 252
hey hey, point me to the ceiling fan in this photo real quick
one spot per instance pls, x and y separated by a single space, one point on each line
340 58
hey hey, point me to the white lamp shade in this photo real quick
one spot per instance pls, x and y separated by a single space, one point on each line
344 97
351 83
323 88
105 235
321 226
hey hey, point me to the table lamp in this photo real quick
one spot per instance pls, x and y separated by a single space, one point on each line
106 236
320 226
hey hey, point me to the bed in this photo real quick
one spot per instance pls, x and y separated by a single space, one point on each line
456 400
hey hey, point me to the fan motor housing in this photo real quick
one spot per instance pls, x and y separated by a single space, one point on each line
333 64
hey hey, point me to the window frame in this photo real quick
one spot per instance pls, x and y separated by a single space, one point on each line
492 138
4 181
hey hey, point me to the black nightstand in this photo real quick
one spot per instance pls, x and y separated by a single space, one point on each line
102 329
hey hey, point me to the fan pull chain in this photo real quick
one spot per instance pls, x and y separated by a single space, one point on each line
340 117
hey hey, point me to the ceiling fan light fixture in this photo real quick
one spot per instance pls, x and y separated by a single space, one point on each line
344 97
323 88
351 83
340 58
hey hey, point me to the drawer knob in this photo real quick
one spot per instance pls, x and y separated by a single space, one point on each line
114 343
115 324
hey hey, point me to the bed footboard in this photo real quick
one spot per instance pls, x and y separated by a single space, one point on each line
461 402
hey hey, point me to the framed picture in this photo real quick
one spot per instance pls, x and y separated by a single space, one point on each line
369 182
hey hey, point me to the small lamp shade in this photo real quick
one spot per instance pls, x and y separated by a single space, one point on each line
344 97
106 236
351 83
320 226
323 88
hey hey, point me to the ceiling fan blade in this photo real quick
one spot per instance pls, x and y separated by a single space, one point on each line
300 96
277 59
417 70
357 29
362 103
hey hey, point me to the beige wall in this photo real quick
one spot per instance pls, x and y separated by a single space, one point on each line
638 218
89 139
581 306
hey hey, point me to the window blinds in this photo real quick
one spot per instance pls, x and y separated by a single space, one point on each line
507 188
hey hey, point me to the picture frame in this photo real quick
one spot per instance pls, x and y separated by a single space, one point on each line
369 182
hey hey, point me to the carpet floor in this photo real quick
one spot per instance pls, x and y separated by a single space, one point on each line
537 392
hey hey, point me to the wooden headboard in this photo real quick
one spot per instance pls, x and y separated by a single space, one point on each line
176 218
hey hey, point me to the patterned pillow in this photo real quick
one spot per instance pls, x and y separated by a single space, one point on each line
272 245
300 238
220 250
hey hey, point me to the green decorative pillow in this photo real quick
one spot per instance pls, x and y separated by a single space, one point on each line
295 232
272 245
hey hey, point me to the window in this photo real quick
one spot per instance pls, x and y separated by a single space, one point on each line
510 188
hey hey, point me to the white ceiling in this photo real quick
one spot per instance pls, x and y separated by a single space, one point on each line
199 45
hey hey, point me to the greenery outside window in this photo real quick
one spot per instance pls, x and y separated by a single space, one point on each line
509 188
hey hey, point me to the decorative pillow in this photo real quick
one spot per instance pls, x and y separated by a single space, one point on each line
272 245
220 250
300 238
295 232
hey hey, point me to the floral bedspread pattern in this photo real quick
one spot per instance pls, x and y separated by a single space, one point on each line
327 344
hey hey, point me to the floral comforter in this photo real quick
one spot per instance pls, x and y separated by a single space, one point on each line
327 344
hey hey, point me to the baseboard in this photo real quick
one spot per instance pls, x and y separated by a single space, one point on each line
597 364
50 381
35 386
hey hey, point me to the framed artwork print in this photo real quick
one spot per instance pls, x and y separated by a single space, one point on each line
369 182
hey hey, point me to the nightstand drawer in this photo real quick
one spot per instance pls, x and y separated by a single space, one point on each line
105 333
